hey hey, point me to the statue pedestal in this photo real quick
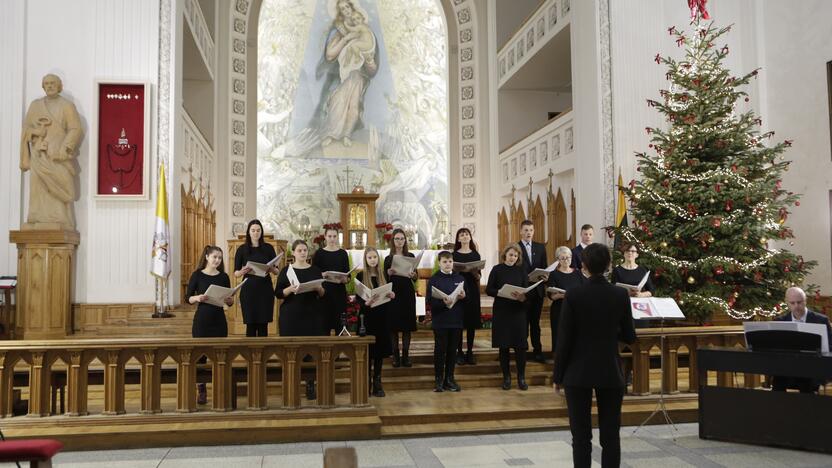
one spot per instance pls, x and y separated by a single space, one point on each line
44 282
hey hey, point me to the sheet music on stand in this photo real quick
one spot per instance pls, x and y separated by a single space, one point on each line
661 309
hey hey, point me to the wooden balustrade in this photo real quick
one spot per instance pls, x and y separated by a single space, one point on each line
39 366
675 339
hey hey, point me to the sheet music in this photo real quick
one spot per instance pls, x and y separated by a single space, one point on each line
554 290
507 290
262 269
7 283
380 294
636 287
466 267
337 276
655 308
436 293
405 266
309 286
216 295
813 328
292 275
540 273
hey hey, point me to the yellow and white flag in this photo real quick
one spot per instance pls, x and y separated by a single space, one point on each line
160 254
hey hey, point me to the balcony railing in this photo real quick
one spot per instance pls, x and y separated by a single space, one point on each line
550 147
202 36
540 27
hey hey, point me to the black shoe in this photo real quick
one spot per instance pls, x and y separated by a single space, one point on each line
406 362
377 390
439 387
521 383
469 358
451 385
310 390
538 357
397 362
506 382
460 358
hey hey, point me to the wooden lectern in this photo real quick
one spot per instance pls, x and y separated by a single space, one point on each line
358 218
45 261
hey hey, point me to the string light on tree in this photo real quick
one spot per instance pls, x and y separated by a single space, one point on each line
709 199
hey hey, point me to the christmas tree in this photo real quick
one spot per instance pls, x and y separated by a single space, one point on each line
709 204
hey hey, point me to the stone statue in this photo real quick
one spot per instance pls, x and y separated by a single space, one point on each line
48 145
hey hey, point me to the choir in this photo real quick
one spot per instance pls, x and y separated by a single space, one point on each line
455 312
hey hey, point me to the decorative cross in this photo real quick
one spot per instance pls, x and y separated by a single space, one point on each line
347 171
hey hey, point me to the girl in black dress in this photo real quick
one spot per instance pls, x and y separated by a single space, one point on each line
403 307
375 318
333 258
465 250
209 320
510 328
563 277
300 314
256 296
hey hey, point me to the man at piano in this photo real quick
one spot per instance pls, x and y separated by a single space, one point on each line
796 300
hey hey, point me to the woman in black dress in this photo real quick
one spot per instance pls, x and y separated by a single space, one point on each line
509 327
300 314
333 258
563 277
465 250
629 272
209 320
403 307
256 296
375 318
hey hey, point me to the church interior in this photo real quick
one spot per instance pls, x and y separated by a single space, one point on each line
232 225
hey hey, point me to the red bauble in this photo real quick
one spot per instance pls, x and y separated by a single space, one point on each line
719 270
797 203
786 269
718 188
733 168
778 184
729 205
716 222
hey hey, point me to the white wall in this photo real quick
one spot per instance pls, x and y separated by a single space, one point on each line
81 41
798 43
524 112
12 108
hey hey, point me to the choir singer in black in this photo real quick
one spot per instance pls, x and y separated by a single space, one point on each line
594 318
534 256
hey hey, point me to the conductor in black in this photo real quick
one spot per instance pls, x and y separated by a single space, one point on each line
594 318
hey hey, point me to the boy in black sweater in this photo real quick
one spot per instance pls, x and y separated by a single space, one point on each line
446 321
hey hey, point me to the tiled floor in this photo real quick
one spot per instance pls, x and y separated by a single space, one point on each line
650 447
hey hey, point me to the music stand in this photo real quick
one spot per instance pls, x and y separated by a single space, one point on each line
655 308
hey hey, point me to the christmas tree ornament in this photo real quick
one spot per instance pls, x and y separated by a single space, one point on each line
691 280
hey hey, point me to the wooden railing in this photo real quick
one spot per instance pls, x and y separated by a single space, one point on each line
678 341
228 359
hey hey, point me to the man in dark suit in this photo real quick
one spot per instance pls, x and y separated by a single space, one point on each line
587 232
534 256
594 318
796 300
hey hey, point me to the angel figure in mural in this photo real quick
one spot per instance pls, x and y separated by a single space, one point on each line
353 45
